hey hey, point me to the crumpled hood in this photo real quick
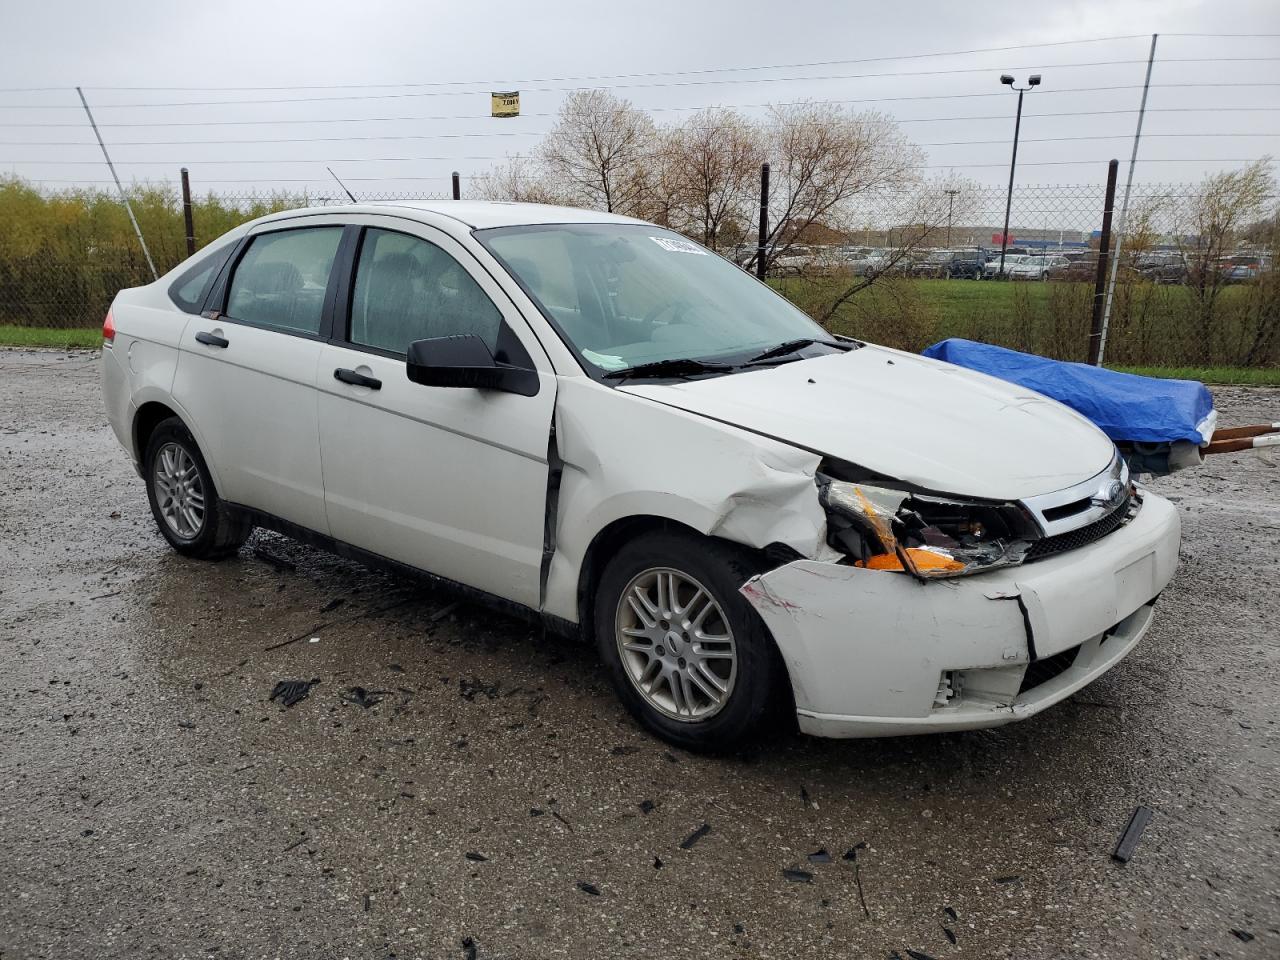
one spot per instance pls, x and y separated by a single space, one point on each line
922 421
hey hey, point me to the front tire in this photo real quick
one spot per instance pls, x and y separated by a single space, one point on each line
184 501
688 656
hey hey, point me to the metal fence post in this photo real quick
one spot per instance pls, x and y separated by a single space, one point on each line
1100 278
761 269
457 186
186 213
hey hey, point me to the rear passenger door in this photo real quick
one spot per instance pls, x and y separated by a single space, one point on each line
247 368
451 480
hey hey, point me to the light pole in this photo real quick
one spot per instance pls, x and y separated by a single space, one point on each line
951 201
1032 81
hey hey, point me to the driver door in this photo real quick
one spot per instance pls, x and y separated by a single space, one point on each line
451 480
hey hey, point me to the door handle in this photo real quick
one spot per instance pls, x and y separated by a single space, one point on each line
357 379
212 340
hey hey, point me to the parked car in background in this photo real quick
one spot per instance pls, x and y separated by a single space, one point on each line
1161 267
967 264
992 269
1036 267
1074 266
931 263
1242 268
670 470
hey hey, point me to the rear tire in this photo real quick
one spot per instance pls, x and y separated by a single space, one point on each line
184 501
691 661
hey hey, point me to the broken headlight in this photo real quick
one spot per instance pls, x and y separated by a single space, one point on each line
925 535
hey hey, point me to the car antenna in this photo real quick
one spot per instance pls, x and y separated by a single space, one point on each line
341 184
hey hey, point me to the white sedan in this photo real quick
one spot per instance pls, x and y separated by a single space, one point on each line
599 423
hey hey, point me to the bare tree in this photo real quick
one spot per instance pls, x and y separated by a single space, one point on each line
824 157
519 179
713 165
599 150
1209 225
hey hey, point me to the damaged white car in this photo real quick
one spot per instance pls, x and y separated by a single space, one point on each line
594 420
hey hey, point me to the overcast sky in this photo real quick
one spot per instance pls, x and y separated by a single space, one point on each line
146 66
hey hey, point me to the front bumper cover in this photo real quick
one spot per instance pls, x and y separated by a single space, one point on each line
872 653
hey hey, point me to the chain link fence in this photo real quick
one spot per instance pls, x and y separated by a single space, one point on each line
1179 301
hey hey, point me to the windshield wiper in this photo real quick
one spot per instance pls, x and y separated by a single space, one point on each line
791 346
674 367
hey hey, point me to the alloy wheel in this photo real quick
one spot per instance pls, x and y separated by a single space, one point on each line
179 491
676 644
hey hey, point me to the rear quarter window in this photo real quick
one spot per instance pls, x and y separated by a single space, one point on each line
191 287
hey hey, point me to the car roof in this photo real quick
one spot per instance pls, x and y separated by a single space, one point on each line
477 214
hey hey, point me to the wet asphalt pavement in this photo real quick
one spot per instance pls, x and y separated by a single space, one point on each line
495 800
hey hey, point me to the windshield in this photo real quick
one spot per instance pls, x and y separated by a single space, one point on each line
623 295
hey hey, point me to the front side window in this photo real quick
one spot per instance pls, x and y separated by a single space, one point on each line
280 281
624 295
407 289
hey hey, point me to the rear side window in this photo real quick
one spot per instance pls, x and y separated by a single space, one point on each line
407 289
280 281
191 287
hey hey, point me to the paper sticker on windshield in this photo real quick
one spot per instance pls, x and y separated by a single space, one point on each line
676 245
604 361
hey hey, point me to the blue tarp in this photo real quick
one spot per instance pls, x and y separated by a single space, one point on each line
1124 405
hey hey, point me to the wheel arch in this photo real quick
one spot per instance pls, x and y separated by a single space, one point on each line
149 416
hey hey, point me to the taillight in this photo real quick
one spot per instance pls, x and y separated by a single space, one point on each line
109 329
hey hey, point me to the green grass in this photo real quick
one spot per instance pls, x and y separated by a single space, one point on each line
1246 376
11 336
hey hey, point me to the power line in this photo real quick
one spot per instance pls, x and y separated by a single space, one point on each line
615 76
637 86
731 106
485 176
535 133
187 143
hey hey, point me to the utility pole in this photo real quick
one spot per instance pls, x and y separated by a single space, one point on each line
763 235
1007 80
1124 204
123 196
951 201
186 213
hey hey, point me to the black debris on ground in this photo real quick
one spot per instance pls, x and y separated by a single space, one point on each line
739 928
1012 878
647 806
852 852
797 876
657 863
476 857
365 698
918 955
444 611
280 563
1244 936
950 934
1132 834
951 914
820 856
289 692
469 687
333 604
468 948
297 843
589 888
624 751
688 842
805 799
536 812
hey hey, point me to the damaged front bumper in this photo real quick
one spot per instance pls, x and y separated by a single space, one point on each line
873 653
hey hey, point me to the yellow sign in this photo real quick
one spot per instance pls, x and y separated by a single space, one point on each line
505 104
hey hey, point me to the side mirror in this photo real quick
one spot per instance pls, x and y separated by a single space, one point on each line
465 361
